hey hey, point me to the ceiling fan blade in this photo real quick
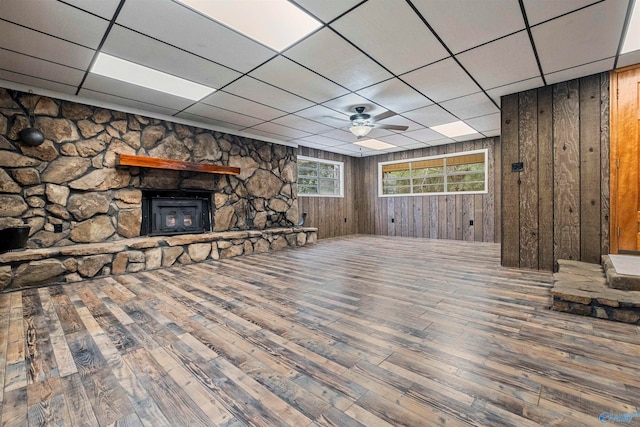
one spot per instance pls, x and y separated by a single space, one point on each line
392 127
383 116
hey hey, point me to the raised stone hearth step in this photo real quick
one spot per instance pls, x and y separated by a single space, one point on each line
36 267
617 280
581 288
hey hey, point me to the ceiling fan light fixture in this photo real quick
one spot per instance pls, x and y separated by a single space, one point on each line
360 130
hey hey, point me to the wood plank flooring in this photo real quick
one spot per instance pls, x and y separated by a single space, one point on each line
360 330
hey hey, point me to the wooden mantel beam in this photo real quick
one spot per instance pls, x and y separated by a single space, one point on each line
178 165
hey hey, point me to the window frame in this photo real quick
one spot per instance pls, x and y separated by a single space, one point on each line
328 162
485 151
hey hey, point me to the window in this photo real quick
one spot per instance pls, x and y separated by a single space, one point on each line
446 174
320 177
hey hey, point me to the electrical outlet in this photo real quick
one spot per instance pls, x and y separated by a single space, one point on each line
393 220
470 222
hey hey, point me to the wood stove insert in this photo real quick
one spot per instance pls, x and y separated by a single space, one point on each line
168 213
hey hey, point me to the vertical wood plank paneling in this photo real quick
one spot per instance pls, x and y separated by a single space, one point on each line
528 148
510 183
492 214
590 169
545 179
604 164
566 130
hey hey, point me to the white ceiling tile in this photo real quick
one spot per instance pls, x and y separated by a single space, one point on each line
327 116
581 71
216 113
34 67
630 58
542 10
327 10
441 81
504 61
250 88
36 83
220 124
485 123
398 140
260 133
469 137
400 44
137 48
279 130
415 146
496 93
395 95
463 24
129 91
430 116
296 122
341 135
103 8
29 42
470 106
595 34
490 133
332 57
126 102
194 33
235 103
348 103
320 140
423 135
443 141
57 19
286 74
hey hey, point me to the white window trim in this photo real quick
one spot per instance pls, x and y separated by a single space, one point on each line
439 156
330 162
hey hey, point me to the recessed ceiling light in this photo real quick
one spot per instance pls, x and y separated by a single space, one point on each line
632 38
274 23
374 144
454 129
119 69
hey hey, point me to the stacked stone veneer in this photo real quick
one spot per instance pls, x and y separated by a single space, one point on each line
72 181
34 267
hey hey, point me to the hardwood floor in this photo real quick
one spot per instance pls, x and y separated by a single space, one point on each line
362 330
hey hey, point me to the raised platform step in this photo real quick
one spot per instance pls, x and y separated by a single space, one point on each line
627 274
581 288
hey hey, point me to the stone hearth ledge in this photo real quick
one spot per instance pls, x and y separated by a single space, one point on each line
65 264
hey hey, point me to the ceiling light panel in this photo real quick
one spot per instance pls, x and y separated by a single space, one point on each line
454 129
374 144
401 44
462 24
632 38
180 26
119 69
275 23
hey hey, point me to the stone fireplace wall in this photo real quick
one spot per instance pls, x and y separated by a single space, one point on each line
68 190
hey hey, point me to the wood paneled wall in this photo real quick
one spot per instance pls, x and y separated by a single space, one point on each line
436 217
334 216
558 207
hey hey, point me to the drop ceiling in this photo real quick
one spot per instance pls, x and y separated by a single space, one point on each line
430 61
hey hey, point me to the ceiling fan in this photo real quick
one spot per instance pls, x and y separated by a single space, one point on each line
362 123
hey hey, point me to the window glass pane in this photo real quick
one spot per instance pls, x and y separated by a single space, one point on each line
328 171
465 167
319 178
427 171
